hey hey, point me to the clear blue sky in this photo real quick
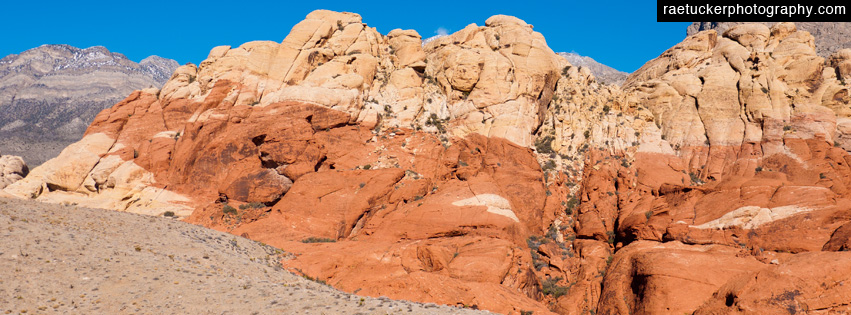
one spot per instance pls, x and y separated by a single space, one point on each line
621 34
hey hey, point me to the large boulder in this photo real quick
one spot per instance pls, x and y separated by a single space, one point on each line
12 169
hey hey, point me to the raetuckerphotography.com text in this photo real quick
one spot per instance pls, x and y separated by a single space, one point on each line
688 11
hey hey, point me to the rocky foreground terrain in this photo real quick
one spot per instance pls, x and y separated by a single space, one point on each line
66 259
483 169
50 94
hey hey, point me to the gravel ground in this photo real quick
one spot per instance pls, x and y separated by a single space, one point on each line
72 260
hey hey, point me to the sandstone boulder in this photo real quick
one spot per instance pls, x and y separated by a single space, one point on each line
12 169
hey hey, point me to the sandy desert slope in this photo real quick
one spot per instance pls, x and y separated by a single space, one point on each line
67 259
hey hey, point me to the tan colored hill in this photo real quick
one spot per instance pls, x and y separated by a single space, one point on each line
58 258
483 169
50 94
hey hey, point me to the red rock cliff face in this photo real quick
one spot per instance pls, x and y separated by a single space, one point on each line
484 170
749 186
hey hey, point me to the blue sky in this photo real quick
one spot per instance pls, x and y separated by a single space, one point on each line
621 34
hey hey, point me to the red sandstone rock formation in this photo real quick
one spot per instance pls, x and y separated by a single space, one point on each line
484 170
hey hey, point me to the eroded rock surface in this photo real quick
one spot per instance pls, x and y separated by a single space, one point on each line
484 170
830 36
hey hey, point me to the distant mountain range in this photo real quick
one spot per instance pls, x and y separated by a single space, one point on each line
50 94
602 72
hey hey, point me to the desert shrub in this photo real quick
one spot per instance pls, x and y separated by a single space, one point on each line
435 121
252 205
549 165
695 179
228 209
571 204
552 233
539 264
550 287
544 144
318 240
533 242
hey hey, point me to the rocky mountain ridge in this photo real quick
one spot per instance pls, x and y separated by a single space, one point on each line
483 169
49 94
604 73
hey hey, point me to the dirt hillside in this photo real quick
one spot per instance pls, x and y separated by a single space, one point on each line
67 259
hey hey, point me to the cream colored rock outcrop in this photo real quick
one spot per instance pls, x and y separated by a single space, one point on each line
12 169
738 88
496 80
